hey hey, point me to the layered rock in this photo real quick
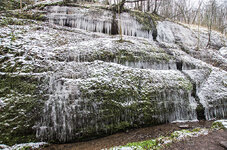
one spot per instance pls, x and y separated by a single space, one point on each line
85 84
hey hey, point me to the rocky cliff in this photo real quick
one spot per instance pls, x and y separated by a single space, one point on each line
72 78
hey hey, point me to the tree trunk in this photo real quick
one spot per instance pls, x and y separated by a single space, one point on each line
120 7
148 5
21 5
198 46
155 7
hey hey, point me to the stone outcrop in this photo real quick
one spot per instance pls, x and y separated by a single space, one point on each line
70 78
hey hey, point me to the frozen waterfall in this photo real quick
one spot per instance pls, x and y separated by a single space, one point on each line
96 20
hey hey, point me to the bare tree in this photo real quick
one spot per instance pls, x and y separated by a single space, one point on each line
119 13
210 18
198 12
21 5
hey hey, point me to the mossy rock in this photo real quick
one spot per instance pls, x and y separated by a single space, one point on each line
26 15
21 109
9 5
217 125
148 20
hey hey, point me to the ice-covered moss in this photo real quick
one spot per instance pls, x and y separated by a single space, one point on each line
13 61
148 20
101 98
130 53
28 15
140 94
20 108
9 4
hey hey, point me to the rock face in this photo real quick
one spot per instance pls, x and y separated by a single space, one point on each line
65 83
101 20
223 51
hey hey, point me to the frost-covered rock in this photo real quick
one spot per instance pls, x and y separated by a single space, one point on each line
67 83
170 32
3 146
98 20
222 122
135 95
23 146
223 51
214 99
188 36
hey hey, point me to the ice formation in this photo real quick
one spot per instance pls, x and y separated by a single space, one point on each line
24 146
97 20
223 51
92 84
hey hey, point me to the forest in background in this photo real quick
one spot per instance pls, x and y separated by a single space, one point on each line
207 13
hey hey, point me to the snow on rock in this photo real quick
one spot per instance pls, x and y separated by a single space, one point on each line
161 142
170 32
3 146
224 122
223 51
100 86
180 135
89 83
38 2
1 103
214 99
187 36
24 145
96 20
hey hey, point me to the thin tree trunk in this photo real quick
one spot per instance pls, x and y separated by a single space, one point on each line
155 7
148 5
209 33
198 46
197 13
119 13
210 23
21 5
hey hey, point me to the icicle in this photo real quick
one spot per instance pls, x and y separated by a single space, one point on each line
95 20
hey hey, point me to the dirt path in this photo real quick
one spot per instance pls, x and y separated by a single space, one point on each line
206 142
126 137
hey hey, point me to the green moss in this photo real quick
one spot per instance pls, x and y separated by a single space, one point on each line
26 15
9 5
148 20
160 142
21 109
217 125
174 135
14 64
26 148
137 104
196 130
10 21
186 85
42 6
121 126
145 145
